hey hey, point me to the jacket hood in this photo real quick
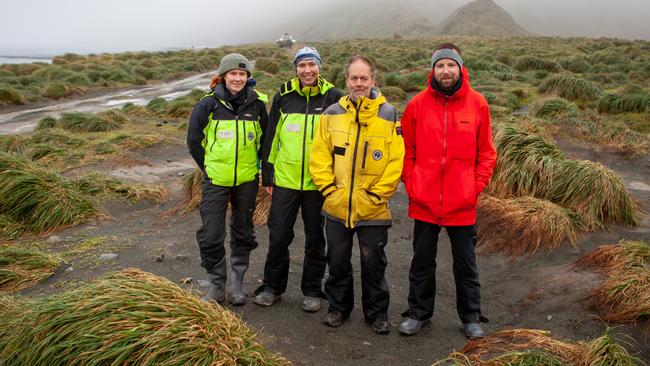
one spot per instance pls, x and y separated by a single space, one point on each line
464 88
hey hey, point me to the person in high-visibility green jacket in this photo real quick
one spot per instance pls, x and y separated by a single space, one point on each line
294 117
225 135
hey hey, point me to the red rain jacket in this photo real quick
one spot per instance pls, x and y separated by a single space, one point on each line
450 154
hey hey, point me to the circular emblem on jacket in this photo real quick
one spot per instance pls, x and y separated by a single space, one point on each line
251 136
377 155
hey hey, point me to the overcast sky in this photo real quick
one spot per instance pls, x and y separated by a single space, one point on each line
118 25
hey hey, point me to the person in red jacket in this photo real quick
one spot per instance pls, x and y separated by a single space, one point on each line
448 162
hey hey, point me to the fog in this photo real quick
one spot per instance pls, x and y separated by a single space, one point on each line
120 25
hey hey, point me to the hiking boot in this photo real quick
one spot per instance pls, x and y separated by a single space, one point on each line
473 330
310 304
265 299
380 326
411 326
333 319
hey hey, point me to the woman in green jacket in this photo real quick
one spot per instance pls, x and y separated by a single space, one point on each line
225 135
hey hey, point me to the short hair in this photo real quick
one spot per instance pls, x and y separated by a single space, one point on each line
363 59
448 46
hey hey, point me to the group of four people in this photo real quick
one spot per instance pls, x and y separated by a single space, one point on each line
338 159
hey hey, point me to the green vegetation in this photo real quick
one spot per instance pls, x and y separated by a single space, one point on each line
528 165
21 268
107 322
624 297
39 198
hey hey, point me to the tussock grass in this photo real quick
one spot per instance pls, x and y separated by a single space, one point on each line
635 102
9 228
571 88
537 347
553 108
528 165
525 63
39 198
99 185
624 297
9 95
21 268
90 122
521 226
128 318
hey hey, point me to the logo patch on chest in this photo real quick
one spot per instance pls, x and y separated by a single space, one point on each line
251 136
377 155
227 134
293 127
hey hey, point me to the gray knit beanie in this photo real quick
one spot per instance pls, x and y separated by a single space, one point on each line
446 53
234 61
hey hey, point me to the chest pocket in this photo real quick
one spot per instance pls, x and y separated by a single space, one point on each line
462 128
374 154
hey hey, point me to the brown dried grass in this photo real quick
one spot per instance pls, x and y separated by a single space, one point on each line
521 226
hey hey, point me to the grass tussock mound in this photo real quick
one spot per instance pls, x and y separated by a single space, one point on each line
22 268
90 122
39 198
128 318
528 165
634 102
536 347
624 297
99 185
521 226
553 108
571 88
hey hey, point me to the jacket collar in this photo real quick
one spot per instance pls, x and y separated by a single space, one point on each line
367 107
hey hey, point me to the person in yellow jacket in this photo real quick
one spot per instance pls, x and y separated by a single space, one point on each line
356 162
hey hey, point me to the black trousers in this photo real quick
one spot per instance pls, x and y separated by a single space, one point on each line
422 276
213 206
339 286
282 217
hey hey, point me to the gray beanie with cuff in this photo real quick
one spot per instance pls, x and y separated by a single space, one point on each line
446 53
234 61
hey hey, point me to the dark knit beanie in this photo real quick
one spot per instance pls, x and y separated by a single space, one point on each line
234 61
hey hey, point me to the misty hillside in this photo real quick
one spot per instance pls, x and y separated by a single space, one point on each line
368 19
481 18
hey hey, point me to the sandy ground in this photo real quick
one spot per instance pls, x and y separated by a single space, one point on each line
540 291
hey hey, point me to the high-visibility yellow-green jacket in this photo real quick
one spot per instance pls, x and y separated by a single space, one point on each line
293 120
356 160
227 143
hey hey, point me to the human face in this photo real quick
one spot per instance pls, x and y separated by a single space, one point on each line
308 72
235 80
446 72
360 80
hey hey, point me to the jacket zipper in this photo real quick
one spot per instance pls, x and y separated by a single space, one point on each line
234 183
354 164
304 139
444 155
312 126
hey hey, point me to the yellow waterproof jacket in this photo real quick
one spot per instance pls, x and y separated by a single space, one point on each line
356 160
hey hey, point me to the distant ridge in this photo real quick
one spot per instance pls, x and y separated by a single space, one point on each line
481 18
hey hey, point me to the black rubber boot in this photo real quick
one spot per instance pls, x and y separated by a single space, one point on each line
217 289
238 267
